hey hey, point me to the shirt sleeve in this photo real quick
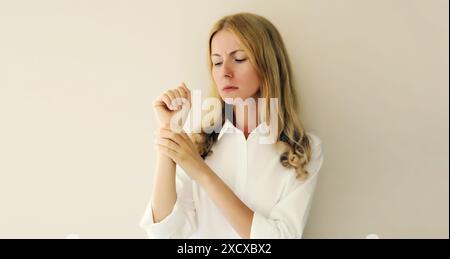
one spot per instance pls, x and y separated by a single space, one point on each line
182 221
287 218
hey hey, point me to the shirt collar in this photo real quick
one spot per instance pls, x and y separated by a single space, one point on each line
228 127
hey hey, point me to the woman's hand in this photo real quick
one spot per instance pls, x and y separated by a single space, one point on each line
179 147
170 103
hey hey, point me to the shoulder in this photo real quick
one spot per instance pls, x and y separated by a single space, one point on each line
312 167
314 139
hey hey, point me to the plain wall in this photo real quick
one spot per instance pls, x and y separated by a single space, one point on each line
77 79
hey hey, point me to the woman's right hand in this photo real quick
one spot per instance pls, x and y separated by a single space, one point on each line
172 102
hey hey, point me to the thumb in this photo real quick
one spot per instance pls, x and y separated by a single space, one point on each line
187 90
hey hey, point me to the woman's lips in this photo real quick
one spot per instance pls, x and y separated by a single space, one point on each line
230 88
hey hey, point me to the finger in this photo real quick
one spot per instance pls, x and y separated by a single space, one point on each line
185 86
187 90
171 99
166 151
182 91
177 98
184 95
159 102
165 138
166 100
185 137
167 143
168 134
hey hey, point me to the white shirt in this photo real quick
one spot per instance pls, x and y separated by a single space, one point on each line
253 171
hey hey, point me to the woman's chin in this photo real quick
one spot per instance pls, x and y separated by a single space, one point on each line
229 98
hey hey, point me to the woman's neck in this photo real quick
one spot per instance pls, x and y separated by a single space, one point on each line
247 120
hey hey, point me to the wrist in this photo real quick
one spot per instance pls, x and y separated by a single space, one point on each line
164 126
206 176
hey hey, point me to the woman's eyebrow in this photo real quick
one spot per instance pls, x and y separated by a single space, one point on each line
231 53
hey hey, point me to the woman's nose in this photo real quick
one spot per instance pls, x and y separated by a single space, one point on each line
227 70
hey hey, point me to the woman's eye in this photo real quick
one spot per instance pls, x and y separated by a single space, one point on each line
237 60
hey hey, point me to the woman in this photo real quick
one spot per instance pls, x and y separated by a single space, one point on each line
227 183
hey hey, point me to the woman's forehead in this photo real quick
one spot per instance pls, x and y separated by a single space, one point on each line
225 42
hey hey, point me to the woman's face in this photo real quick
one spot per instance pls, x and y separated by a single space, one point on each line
232 71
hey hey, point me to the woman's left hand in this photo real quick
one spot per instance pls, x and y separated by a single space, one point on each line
179 147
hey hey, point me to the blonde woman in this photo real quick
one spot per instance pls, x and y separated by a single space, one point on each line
227 183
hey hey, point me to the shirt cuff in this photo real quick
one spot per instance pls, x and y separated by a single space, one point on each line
261 227
264 228
165 228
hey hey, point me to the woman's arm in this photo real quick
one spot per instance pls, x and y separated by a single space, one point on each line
164 193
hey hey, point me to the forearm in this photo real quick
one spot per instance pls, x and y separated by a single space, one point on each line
237 213
164 191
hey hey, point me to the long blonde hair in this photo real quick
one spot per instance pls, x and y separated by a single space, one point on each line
267 53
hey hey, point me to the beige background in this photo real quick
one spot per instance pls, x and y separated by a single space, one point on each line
77 79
